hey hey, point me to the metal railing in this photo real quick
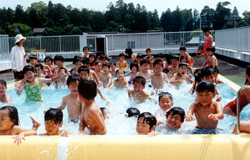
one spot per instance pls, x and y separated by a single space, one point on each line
238 108
4 48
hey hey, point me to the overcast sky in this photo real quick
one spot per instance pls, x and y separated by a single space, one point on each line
160 5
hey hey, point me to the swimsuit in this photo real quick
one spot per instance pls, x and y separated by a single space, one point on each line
243 102
33 93
131 78
207 43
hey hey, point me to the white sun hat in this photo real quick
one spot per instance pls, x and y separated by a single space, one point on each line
19 37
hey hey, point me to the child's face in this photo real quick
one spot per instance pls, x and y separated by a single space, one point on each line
148 53
184 60
5 122
158 68
170 74
112 66
138 87
48 62
175 62
38 70
29 75
92 59
210 78
103 61
75 72
145 67
105 69
138 60
120 75
59 63
121 58
2 89
205 98
85 52
33 62
98 67
182 70
182 51
84 75
210 53
73 87
134 69
105 114
174 121
62 72
165 103
78 64
52 128
142 127
201 50
151 60
206 33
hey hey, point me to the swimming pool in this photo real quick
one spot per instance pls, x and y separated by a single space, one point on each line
113 147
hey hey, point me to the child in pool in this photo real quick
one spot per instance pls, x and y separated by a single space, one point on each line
9 124
165 103
32 85
197 79
146 123
148 52
105 112
216 73
92 117
181 75
77 61
4 97
98 68
93 74
132 112
145 72
207 73
72 101
137 93
190 60
230 108
59 61
200 54
211 59
161 57
183 58
39 71
206 111
33 60
174 66
53 121
62 81
74 71
139 58
134 67
113 68
158 78
151 62
122 64
49 73
106 77
120 81
92 59
168 72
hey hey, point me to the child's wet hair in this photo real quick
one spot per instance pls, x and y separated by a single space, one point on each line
165 94
160 55
158 62
118 71
112 63
139 79
129 51
197 78
184 57
121 55
177 110
39 65
182 64
182 48
216 70
48 58
134 64
166 70
205 86
3 82
97 62
212 49
58 58
73 79
132 112
85 48
148 49
144 61
175 57
207 71
63 68
72 70
148 118
28 68
33 57
54 114
247 73
83 68
13 114
201 47
102 109
106 65
85 60
92 55
139 55
77 59
88 89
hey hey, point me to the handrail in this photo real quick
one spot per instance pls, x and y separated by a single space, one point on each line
238 108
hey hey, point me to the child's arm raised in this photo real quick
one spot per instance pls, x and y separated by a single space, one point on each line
190 113
99 122
19 87
112 85
219 113
21 133
48 80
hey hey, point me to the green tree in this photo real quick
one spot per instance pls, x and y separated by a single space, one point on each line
24 29
221 14
20 16
196 18
178 23
167 20
98 21
187 19
37 13
207 17
154 19
112 27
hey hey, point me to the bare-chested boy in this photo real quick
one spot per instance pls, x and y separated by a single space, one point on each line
181 76
92 117
145 72
158 78
122 64
72 101
106 77
174 66
137 93
206 111
211 59
120 82
98 68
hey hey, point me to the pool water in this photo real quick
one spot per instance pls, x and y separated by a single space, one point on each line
119 124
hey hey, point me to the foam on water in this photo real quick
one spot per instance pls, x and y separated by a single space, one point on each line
119 124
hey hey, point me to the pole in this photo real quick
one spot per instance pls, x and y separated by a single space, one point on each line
200 28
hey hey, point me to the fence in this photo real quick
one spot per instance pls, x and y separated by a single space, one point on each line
236 38
4 48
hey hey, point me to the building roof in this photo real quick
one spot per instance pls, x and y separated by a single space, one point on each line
38 30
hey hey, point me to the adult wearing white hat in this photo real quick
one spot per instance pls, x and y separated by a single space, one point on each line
18 56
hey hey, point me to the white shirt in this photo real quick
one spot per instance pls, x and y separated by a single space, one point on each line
18 60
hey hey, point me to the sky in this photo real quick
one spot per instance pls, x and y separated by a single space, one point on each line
160 5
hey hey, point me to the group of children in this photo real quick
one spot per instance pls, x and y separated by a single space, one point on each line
94 71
